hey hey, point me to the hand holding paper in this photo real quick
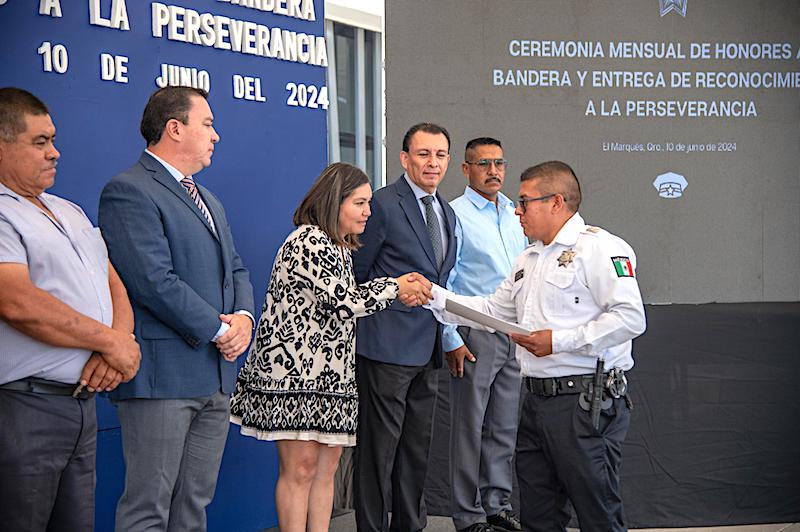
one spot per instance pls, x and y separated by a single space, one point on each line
539 343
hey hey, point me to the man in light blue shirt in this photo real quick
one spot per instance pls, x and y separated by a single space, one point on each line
484 395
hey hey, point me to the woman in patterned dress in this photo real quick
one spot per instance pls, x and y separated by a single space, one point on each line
297 386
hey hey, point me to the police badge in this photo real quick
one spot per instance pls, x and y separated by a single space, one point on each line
566 257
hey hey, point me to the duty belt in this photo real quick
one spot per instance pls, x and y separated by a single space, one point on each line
550 387
614 382
46 387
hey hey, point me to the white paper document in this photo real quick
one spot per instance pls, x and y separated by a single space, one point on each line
483 319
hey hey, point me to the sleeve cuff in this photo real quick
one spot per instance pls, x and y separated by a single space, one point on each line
438 300
223 328
246 313
451 340
563 341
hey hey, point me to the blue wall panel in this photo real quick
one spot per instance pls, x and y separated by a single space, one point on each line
268 155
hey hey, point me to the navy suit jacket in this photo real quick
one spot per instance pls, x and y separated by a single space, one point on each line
396 242
180 277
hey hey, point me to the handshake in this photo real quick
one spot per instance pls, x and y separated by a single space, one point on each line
414 289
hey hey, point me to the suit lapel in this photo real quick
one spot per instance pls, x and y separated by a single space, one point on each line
410 205
213 207
161 175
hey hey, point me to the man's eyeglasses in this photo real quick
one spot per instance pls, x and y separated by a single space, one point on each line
523 202
484 164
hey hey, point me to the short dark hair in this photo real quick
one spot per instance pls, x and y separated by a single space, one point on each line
164 105
481 141
14 105
556 178
425 127
322 202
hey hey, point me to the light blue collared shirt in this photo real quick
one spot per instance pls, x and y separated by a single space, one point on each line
68 260
488 239
437 208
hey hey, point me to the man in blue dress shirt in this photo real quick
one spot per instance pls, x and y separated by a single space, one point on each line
484 394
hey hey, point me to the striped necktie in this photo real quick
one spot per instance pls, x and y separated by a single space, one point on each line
191 188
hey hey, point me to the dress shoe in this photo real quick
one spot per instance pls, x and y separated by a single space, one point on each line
477 527
505 520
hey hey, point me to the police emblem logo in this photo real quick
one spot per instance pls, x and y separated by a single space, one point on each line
670 185
566 257
623 266
679 6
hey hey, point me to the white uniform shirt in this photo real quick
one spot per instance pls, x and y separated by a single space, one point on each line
582 286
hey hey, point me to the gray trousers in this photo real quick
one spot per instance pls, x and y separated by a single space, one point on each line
173 450
484 406
395 428
47 462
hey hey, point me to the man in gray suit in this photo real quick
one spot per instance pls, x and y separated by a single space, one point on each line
193 303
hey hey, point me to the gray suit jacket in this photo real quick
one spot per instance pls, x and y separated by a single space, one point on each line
180 277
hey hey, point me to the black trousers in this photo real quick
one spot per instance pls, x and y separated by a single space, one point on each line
561 456
395 425
47 462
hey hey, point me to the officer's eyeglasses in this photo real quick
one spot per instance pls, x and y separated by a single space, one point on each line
523 202
483 164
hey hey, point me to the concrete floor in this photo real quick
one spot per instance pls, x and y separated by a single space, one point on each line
346 523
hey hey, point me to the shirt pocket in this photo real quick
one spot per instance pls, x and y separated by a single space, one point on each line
559 292
94 248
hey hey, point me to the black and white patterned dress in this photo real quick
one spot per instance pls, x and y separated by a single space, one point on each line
298 382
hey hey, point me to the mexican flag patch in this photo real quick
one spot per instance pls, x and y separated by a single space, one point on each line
623 266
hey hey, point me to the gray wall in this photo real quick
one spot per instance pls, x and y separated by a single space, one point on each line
734 235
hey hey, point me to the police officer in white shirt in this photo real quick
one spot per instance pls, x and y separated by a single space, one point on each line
574 287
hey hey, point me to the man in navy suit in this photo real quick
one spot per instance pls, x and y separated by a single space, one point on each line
399 350
193 306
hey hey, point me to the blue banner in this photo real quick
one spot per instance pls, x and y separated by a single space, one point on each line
96 62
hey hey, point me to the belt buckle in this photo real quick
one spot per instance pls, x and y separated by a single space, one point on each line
79 392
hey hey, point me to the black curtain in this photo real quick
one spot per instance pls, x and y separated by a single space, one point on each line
715 431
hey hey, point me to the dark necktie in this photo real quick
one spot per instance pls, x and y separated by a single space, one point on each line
191 188
432 222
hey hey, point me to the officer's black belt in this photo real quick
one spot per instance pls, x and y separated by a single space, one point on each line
46 387
552 386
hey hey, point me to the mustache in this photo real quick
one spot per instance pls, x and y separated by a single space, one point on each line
490 179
